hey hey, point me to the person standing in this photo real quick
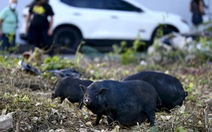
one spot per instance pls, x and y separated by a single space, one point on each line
38 27
8 26
197 10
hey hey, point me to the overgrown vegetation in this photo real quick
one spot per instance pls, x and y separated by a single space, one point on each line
28 96
128 54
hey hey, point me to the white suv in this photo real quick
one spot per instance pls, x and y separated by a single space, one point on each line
77 20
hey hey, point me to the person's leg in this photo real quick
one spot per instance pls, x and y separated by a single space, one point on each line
194 28
4 42
46 40
14 42
11 42
35 37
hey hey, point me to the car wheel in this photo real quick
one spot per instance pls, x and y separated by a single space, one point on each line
67 37
161 31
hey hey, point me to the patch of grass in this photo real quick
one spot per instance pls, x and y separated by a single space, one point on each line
34 111
52 63
190 89
129 55
8 62
180 129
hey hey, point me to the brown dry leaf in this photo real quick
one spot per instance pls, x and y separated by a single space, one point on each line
165 118
89 123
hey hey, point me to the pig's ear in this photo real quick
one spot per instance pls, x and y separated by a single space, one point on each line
103 90
83 88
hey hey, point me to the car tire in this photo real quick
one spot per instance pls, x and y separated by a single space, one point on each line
165 31
67 37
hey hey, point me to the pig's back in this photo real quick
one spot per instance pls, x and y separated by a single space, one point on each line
168 87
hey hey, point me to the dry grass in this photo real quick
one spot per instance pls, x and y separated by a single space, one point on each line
28 97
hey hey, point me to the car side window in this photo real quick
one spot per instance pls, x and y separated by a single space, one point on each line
95 4
121 6
76 3
98 4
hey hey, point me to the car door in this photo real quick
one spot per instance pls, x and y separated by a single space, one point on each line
106 19
88 16
126 20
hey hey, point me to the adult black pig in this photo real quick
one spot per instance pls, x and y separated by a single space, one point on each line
169 88
126 102
68 87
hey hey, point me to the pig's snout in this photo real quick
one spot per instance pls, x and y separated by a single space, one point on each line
87 101
53 96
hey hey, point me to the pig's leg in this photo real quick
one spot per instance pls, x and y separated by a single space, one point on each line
151 117
110 119
99 116
62 99
80 105
166 110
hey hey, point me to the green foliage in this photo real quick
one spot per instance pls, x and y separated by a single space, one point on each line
55 62
207 45
190 87
22 98
153 129
194 53
29 105
8 62
6 95
96 73
180 129
204 81
190 90
207 23
79 56
159 32
137 43
128 54
9 50
119 49
177 55
203 50
209 29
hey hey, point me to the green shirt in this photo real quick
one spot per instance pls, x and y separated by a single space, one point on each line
10 21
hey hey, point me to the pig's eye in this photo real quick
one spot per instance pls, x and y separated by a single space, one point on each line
86 95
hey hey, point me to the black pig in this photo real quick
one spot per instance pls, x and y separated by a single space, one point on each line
68 87
126 102
169 88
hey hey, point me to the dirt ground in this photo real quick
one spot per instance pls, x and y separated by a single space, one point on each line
28 96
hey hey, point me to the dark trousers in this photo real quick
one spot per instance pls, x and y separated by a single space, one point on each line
7 42
39 37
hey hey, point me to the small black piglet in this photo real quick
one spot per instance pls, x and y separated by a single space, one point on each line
68 87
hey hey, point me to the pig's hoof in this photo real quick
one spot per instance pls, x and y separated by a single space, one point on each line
95 124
